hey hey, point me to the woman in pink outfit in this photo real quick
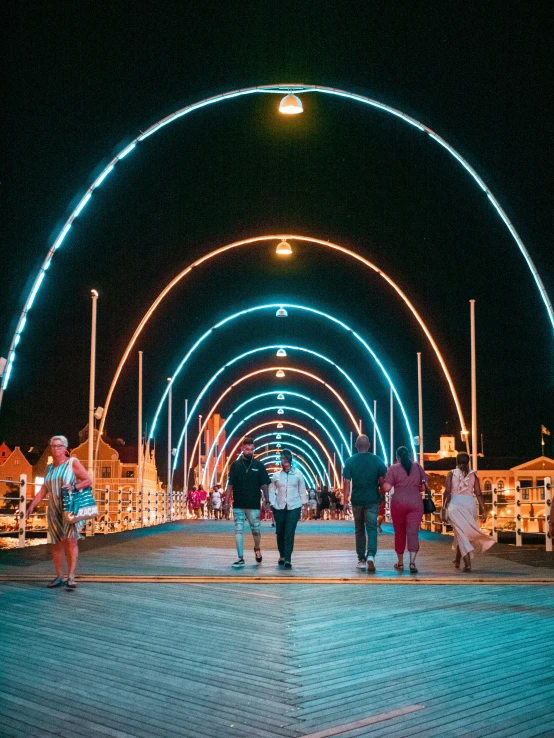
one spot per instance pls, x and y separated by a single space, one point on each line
407 477
460 511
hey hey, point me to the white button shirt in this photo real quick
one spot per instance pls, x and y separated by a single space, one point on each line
287 490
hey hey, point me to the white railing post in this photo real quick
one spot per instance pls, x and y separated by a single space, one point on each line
22 509
517 515
494 514
547 511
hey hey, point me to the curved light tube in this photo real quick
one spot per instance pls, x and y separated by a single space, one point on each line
290 306
278 89
274 423
265 410
267 394
272 348
253 374
271 446
307 471
285 444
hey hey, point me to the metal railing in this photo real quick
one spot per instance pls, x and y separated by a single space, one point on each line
119 510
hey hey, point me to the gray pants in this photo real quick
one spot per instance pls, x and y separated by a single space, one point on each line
253 517
365 521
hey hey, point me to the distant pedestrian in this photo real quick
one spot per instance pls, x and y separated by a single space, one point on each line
202 498
216 502
363 475
64 471
287 493
407 477
312 504
460 511
247 477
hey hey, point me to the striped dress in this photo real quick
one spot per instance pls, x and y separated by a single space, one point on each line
56 478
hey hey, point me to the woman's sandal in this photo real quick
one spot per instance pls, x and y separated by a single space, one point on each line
413 569
399 567
466 568
57 582
71 584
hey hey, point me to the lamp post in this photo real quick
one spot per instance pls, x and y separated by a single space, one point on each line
473 389
168 490
90 462
139 441
420 406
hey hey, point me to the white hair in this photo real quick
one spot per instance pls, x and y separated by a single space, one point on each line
63 440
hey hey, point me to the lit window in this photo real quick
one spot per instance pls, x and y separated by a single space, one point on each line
500 484
106 472
488 486
129 473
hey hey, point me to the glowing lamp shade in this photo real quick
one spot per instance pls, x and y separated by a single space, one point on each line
280 411
278 445
280 396
278 436
291 105
280 374
284 249
281 352
280 425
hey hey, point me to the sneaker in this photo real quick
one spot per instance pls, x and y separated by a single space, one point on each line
238 564
361 564
371 564
288 565
258 555
281 562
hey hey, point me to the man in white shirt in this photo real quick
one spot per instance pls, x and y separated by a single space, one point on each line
287 493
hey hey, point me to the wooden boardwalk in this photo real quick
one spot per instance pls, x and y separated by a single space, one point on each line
209 660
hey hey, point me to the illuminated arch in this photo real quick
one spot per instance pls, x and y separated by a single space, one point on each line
265 89
307 472
272 348
292 424
266 394
317 462
261 371
272 306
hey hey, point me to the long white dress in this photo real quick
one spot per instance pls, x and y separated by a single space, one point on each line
462 514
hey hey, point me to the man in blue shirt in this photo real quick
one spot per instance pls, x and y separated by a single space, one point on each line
363 474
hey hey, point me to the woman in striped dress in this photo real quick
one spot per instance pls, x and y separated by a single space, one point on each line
64 471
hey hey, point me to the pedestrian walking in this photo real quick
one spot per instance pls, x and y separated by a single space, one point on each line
407 478
460 511
216 502
363 475
247 477
202 498
64 471
287 493
312 503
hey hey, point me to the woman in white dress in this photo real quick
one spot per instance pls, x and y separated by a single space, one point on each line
459 509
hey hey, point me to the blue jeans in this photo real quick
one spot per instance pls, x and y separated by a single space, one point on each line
253 517
365 522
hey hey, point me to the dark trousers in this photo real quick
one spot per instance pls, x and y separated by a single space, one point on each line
365 522
285 528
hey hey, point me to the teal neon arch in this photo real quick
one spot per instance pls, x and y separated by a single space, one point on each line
317 463
307 473
269 408
268 394
264 89
273 348
288 306
278 435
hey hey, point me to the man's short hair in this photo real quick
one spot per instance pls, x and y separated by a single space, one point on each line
248 441
362 442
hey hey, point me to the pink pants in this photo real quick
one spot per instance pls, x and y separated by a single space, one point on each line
406 511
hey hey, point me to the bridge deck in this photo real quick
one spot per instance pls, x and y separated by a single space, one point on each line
242 659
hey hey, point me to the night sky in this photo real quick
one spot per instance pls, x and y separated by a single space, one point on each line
85 78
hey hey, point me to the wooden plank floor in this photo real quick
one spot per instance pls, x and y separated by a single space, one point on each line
322 551
212 660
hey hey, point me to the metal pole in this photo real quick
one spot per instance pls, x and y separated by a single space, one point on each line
391 426
206 474
374 426
140 504
473 390
420 403
186 450
199 447
168 490
360 425
351 443
90 462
